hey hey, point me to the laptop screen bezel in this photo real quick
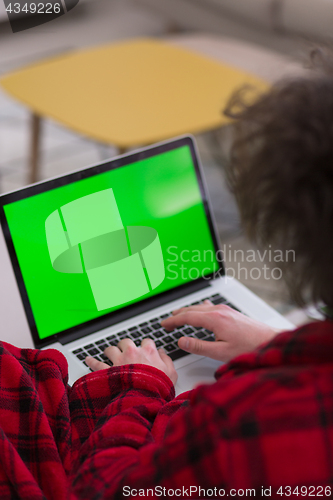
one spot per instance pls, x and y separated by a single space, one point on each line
141 306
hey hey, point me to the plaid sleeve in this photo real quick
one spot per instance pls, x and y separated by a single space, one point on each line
35 456
137 394
266 423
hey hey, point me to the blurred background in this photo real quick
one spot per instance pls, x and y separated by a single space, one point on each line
269 38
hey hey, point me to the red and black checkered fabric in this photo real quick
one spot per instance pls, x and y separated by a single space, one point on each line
266 422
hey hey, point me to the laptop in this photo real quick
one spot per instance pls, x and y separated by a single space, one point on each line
109 251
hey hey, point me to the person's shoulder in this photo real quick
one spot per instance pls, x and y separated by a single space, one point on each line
273 407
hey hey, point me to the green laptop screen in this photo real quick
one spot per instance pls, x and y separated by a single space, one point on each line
98 244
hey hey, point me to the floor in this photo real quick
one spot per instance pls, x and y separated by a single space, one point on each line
64 151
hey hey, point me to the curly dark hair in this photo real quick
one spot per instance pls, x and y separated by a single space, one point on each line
281 172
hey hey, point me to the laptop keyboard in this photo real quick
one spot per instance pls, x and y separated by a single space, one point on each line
152 329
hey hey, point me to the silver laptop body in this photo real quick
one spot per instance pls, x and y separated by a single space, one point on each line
109 251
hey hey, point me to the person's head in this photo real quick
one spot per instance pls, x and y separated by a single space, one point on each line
281 172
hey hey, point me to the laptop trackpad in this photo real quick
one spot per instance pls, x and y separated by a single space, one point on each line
199 372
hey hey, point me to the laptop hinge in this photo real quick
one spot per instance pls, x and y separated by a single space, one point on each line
134 310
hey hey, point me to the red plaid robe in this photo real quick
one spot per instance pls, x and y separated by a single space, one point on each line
266 422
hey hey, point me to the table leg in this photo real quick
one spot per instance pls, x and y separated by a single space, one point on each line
122 150
35 146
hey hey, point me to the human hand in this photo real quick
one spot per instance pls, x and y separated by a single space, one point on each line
234 332
127 353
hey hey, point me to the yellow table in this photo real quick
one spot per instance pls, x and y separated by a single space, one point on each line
127 94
